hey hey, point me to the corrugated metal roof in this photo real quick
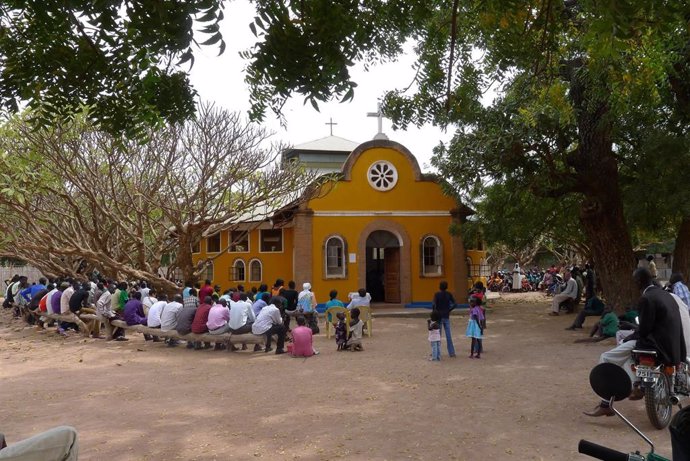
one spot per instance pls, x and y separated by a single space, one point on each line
329 143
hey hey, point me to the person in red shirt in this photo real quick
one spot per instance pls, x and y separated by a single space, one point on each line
42 304
206 290
200 319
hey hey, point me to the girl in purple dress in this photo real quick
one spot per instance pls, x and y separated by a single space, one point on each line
475 327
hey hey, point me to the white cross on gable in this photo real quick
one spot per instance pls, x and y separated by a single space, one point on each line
378 114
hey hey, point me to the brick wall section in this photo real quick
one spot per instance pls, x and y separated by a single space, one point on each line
303 257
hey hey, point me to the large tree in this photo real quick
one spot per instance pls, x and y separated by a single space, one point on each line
121 59
566 75
74 199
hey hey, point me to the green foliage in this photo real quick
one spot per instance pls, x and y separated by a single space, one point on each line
654 184
119 59
307 47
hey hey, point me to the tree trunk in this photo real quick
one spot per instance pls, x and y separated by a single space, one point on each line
601 212
601 215
681 254
602 219
184 260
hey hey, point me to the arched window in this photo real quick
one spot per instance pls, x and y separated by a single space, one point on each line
237 271
209 271
334 253
432 256
255 270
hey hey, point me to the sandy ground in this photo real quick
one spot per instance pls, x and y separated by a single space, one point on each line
129 401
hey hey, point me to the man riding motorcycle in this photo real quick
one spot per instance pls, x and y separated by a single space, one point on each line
660 330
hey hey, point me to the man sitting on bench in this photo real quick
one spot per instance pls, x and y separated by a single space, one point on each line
569 293
269 322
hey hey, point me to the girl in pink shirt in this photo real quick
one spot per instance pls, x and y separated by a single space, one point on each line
302 340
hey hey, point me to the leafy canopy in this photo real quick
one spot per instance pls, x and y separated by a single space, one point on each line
118 58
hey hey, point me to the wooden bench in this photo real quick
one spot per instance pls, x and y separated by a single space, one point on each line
79 320
227 338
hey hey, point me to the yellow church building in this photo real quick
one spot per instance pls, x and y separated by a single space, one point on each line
381 224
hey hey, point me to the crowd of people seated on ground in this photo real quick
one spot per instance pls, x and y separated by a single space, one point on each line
609 323
196 309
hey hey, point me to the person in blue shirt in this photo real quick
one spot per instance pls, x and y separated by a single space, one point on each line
679 288
27 291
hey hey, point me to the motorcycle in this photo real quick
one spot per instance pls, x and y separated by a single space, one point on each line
507 285
555 286
495 284
612 383
663 385
535 279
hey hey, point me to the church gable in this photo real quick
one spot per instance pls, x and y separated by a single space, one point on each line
383 175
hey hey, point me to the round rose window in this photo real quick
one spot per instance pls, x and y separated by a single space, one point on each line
382 176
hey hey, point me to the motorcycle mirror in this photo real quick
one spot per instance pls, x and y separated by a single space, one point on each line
609 380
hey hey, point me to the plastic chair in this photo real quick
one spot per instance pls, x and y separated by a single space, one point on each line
331 313
365 316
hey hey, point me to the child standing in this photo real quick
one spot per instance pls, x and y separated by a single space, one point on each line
341 331
475 327
434 325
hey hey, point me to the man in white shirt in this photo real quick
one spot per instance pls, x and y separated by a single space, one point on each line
103 306
569 292
241 316
169 316
148 300
359 299
105 314
64 300
144 290
153 318
269 322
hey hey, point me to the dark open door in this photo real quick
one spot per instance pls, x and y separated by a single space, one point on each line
392 274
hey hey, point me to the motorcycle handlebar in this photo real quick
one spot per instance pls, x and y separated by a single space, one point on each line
600 452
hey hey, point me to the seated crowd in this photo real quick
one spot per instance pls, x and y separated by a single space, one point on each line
197 309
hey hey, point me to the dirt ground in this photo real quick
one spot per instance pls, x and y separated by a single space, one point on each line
143 401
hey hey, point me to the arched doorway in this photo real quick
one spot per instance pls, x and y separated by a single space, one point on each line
383 266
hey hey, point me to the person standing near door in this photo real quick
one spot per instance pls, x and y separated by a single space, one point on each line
444 303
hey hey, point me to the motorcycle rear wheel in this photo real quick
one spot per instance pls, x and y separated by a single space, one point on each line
658 403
